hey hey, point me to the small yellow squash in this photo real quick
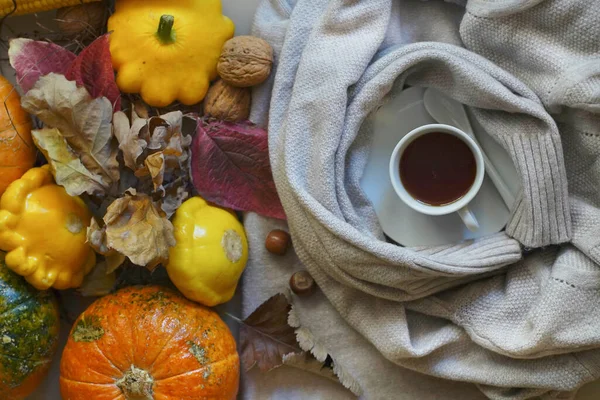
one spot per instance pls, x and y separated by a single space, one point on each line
43 229
167 50
211 252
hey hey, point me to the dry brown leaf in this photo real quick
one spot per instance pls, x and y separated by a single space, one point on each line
177 151
307 362
99 282
130 143
268 341
176 145
163 166
154 148
175 194
114 261
141 109
143 171
67 169
96 237
159 131
162 128
266 337
138 230
155 163
83 122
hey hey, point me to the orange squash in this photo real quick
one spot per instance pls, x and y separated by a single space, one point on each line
149 343
17 151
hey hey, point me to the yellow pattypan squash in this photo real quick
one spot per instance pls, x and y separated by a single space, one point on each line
167 50
44 231
211 252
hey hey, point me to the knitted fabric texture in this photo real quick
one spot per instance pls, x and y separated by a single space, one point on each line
481 312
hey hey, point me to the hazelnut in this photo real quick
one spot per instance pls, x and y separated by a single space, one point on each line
227 102
302 283
245 61
83 20
278 242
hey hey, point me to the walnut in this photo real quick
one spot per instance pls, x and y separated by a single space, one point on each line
245 61
84 21
227 102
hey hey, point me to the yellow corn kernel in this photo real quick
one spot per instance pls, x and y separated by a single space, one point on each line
32 6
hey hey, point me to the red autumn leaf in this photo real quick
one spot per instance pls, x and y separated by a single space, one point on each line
230 167
93 69
33 59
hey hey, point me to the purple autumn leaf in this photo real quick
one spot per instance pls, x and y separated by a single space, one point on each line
93 69
230 167
34 59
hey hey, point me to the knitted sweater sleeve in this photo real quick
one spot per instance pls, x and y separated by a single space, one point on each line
553 47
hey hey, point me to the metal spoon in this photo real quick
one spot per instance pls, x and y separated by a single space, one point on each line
446 110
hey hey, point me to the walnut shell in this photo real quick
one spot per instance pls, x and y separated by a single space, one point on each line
83 20
245 61
227 102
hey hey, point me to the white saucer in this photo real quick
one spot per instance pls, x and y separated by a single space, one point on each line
401 223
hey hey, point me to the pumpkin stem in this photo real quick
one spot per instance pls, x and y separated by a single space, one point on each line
165 32
136 384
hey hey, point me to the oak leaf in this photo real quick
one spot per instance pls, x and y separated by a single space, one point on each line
136 228
129 139
83 122
68 170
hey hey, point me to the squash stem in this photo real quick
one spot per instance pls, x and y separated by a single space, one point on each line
165 32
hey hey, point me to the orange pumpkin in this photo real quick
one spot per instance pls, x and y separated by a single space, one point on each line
17 151
149 343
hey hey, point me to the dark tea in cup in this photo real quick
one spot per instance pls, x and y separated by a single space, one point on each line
437 168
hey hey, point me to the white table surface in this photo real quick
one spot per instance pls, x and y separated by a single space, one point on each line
242 13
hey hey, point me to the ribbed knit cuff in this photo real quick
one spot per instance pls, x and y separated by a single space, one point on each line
471 257
541 216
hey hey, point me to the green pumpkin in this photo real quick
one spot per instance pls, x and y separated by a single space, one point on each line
29 327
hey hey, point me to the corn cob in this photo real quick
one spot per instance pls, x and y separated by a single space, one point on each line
31 6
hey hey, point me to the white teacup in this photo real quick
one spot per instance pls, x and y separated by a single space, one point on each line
459 205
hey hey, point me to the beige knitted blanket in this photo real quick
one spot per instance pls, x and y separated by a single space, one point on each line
517 324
